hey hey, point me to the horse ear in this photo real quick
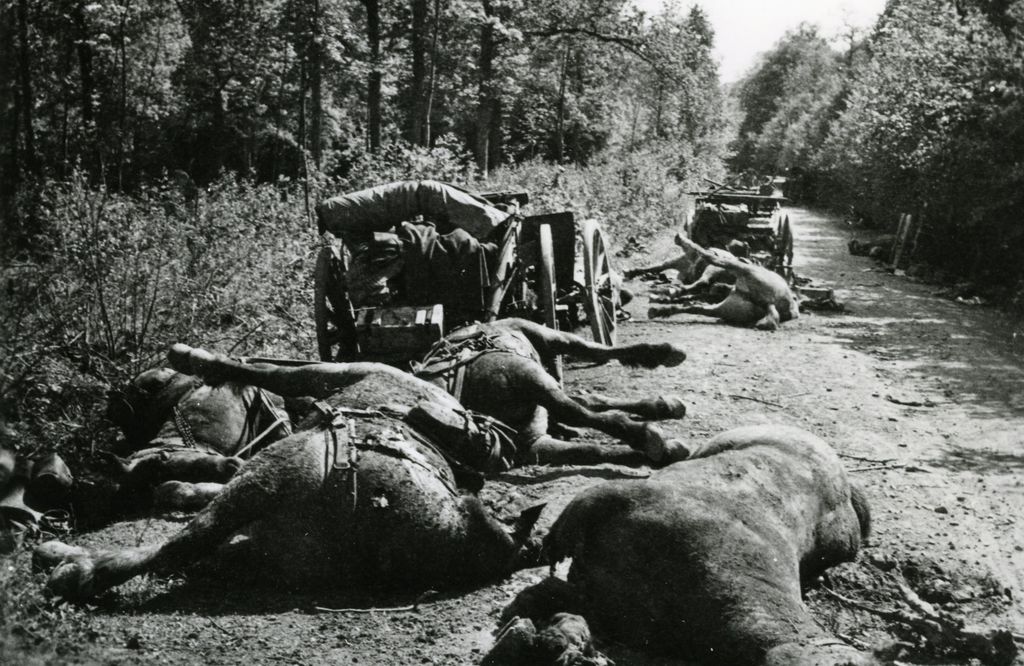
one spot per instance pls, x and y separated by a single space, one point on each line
525 522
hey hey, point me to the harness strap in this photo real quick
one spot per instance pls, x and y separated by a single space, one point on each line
457 381
344 444
449 357
184 429
255 409
259 405
341 456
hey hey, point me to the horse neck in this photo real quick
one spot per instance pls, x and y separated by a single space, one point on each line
152 418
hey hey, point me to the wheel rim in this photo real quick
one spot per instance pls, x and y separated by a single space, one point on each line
331 310
601 297
547 290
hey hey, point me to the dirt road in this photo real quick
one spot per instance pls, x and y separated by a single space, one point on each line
922 396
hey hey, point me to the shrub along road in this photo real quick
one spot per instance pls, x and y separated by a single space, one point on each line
922 396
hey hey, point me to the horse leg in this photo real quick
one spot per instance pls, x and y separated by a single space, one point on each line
662 407
185 496
279 476
658 311
550 343
675 263
735 309
319 380
770 322
545 392
154 466
547 450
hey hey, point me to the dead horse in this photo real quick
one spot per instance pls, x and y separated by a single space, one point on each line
705 559
760 297
497 369
363 499
185 438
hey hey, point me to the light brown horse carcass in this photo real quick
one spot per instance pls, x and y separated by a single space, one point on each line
760 297
695 274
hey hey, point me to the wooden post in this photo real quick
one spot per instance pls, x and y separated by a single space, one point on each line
908 230
915 243
901 234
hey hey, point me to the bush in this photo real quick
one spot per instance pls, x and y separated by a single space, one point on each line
124 276
633 194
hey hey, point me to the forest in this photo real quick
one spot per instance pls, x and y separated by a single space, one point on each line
159 159
921 114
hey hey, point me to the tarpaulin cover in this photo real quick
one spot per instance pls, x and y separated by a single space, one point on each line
451 269
382 207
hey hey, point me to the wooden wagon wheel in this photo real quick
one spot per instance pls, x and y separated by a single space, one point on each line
601 291
546 288
332 310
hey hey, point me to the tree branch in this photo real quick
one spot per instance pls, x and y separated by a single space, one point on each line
634 46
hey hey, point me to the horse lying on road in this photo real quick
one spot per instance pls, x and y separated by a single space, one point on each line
694 273
760 297
706 558
192 437
186 438
498 369
365 495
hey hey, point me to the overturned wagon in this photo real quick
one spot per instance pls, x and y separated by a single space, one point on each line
756 217
405 262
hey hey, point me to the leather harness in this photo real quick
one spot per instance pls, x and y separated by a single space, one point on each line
343 442
447 358
257 406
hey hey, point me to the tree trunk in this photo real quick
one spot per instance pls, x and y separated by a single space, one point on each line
123 110
373 93
25 83
429 110
560 114
66 102
316 85
417 88
86 88
485 92
85 73
10 170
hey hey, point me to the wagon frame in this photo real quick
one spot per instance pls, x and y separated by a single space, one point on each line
766 229
547 268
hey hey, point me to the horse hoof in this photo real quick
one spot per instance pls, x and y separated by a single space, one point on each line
662 451
671 407
72 579
673 357
655 312
675 451
654 444
179 356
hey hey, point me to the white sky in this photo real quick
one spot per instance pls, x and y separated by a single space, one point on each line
744 28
